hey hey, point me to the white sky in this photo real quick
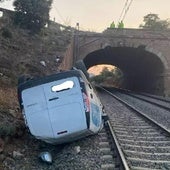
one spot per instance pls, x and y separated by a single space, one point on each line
96 15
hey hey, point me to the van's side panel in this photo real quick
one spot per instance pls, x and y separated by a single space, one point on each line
96 110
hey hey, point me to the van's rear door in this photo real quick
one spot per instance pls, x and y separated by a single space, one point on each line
65 106
36 112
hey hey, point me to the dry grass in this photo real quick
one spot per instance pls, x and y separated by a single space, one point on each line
8 98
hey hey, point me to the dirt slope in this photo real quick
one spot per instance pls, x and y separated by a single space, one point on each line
22 53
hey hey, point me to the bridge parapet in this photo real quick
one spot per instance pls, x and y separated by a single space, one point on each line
138 33
155 42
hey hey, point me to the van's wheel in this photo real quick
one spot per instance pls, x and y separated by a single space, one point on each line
22 79
80 65
105 117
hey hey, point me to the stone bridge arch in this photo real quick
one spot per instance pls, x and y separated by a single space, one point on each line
143 70
143 56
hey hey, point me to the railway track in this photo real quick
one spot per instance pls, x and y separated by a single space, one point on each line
156 97
156 100
159 113
142 143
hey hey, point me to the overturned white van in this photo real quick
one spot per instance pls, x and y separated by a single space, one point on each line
60 108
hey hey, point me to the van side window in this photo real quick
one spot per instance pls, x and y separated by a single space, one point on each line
91 95
90 86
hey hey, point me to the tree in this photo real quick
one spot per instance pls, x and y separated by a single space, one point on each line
112 77
32 14
153 22
106 73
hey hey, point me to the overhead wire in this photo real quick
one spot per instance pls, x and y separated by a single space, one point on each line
64 20
59 14
125 10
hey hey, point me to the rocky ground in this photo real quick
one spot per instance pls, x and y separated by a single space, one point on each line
23 153
22 53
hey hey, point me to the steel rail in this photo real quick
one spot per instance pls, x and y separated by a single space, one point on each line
147 100
118 148
139 112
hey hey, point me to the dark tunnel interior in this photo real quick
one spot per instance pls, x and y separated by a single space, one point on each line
142 70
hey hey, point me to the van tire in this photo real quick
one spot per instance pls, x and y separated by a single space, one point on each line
22 79
81 66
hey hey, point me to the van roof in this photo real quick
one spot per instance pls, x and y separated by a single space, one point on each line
42 80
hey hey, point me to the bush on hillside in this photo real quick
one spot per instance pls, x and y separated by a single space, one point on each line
32 14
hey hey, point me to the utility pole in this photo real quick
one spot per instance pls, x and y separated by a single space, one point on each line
76 42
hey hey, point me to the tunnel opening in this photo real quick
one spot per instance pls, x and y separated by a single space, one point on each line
142 70
106 75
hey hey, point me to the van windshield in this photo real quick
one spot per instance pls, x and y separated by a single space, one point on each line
63 86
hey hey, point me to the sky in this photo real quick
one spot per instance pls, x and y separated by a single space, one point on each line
97 15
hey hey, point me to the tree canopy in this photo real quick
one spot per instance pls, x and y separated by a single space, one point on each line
32 14
153 22
114 77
